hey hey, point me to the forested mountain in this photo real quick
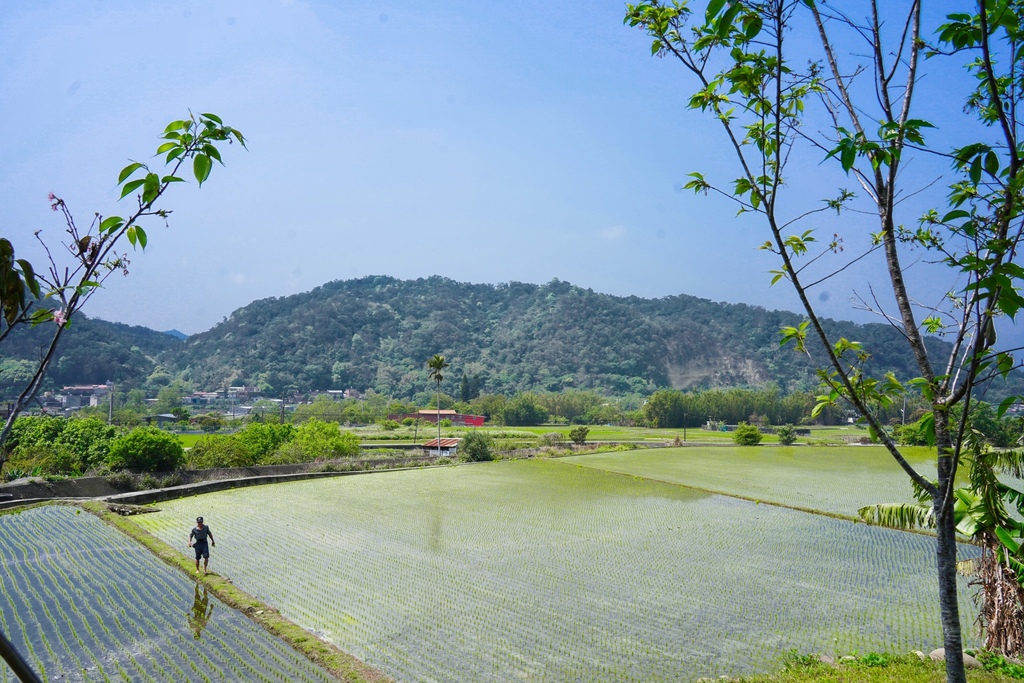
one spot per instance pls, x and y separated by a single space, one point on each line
378 332
90 352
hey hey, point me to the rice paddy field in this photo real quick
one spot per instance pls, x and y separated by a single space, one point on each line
83 602
837 480
549 570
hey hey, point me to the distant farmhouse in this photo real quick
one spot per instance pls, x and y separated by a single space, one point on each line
83 395
457 419
448 447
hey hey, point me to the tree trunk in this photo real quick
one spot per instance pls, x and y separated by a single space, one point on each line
945 555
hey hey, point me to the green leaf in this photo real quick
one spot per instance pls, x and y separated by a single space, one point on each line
954 215
1004 405
752 28
1005 363
714 7
899 515
212 152
111 223
131 187
40 315
140 234
991 163
29 277
201 166
1007 540
127 171
166 147
176 125
928 422
213 117
151 188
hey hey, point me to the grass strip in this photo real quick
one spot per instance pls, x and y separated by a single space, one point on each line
340 664
876 668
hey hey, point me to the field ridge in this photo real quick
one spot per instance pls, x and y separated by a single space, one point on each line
339 663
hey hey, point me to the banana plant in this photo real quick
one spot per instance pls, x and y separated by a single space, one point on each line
981 514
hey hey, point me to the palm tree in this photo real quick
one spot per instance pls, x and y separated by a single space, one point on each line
436 365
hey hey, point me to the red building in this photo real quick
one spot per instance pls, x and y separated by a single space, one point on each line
457 419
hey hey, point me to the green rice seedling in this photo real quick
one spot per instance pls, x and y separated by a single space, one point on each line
834 480
525 567
95 606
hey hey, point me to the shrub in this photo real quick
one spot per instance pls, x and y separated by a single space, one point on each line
54 445
316 440
262 439
122 481
787 435
552 438
747 435
210 422
523 410
389 425
173 479
146 449
219 451
578 435
913 434
476 446
89 440
12 473
43 459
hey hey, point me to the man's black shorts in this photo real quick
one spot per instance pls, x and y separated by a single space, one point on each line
202 549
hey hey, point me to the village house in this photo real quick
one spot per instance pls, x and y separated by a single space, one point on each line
448 447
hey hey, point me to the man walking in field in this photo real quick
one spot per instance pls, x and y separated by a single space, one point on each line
200 533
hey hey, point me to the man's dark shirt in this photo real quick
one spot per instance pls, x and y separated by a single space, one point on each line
200 535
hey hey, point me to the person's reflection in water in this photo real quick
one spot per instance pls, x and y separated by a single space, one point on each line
201 611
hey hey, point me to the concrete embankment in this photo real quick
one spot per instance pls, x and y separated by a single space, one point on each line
140 489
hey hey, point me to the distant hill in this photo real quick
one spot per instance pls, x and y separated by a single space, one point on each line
176 334
91 352
378 332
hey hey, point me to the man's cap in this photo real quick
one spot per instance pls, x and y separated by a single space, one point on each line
199 519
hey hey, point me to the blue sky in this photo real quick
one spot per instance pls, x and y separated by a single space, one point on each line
485 142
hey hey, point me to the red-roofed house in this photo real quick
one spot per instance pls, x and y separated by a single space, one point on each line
448 447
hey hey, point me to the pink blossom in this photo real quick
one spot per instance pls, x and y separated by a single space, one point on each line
60 317
51 196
